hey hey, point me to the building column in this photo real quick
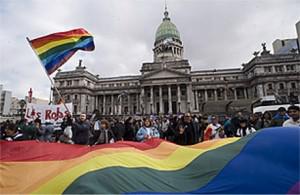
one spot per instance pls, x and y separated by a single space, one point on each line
104 105
129 104
112 104
216 94
235 94
178 98
245 93
189 97
142 105
96 102
170 99
205 95
137 104
196 100
120 105
225 94
160 100
151 100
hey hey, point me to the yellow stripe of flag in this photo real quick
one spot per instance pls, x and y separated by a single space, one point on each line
53 44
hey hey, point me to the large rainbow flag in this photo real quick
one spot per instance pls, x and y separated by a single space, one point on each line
55 49
265 162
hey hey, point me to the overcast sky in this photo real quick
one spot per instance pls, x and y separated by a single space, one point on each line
215 34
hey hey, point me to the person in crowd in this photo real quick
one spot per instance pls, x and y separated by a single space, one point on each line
12 133
67 135
255 121
95 131
81 130
147 131
106 134
172 127
213 130
45 132
203 125
244 129
136 126
279 117
157 124
266 119
294 120
235 121
130 133
180 137
228 127
164 128
118 129
191 129
30 131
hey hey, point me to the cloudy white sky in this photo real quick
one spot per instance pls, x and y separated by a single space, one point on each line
215 34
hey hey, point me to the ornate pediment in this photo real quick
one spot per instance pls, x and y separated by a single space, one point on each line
164 74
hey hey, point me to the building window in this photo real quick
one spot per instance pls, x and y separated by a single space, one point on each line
76 82
75 97
293 85
75 109
278 69
281 86
270 86
88 83
268 69
183 92
69 83
68 97
290 67
61 83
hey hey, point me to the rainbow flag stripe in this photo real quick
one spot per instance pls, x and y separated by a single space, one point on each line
55 49
265 162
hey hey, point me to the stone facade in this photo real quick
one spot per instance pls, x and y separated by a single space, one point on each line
168 85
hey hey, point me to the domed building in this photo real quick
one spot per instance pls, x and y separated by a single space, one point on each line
167 45
169 86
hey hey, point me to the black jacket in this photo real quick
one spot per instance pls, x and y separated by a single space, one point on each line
81 132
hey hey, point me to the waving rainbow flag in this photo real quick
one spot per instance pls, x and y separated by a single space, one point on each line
55 49
265 162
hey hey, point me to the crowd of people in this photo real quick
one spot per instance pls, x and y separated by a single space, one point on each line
185 129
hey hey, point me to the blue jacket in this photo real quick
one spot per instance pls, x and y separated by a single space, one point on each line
140 136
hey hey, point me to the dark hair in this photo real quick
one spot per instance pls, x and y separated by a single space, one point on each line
281 109
267 113
11 126
104 121
294 107
148 119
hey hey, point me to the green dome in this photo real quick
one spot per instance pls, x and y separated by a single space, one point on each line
166 30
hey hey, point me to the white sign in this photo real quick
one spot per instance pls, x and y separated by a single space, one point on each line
52 113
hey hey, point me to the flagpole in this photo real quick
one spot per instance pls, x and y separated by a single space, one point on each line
51 81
